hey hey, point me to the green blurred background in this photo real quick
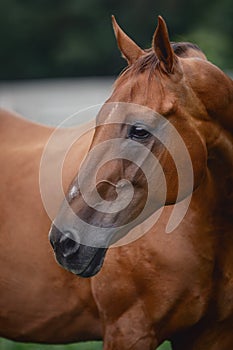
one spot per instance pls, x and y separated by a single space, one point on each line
10 345
73 38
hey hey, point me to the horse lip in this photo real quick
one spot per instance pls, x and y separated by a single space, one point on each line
74 264
94 264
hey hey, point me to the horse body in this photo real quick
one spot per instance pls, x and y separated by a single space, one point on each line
39 301
175 286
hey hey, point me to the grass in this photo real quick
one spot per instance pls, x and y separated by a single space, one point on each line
11 345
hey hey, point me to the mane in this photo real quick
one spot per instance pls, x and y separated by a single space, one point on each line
181 48
150 60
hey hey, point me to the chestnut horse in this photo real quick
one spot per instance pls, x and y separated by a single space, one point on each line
175 286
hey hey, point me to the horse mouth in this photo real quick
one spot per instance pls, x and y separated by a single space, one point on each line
94 264
85 261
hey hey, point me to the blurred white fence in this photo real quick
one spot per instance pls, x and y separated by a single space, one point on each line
51 101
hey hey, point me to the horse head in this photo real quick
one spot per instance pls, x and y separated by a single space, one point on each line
149 149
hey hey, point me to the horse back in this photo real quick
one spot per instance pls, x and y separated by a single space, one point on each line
16 130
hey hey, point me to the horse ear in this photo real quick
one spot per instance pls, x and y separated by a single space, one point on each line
129 49
162 46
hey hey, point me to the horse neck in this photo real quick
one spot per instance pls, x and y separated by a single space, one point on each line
220 168
213 88
214 92
219 195
213 202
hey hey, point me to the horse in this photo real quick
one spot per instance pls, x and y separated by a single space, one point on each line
39 301
160 286
176 285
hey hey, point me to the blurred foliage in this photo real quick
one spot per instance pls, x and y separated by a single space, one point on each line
58 38
10 345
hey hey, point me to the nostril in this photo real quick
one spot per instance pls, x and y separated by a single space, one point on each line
68 246
67 243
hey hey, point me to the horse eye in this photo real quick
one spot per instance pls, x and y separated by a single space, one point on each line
138 133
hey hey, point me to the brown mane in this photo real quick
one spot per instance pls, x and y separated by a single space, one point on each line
150 60
181 48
